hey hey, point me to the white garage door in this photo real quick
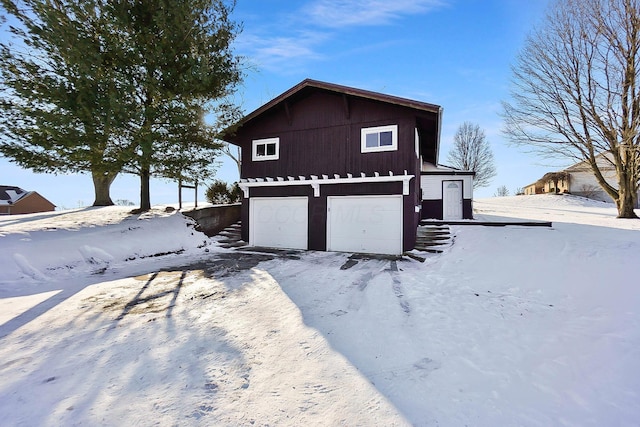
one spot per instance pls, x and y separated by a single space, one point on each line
278 222
368 224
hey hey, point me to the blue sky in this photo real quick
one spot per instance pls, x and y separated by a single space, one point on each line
454 53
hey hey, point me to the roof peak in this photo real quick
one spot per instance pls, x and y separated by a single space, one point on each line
364 93
345 90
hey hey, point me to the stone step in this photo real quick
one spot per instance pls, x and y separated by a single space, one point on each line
431 243
433 238
223 241
434 232
431 251
434 226
231 237
236 244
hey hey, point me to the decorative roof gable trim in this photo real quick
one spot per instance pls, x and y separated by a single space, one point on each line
315 182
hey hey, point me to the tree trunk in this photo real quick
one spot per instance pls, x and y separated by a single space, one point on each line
146 148
101 184
627 200
145 199
238 160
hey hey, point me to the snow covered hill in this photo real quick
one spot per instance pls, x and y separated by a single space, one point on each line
107 318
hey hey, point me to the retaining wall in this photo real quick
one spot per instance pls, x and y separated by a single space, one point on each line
213 219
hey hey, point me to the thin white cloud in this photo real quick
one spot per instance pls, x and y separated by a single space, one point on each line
281 52
292 41
342 13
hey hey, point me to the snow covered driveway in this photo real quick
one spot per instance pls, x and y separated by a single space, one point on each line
180 348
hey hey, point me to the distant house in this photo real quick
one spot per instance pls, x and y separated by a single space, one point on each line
555 182
535 188
582 181
579 180
15 200
330 167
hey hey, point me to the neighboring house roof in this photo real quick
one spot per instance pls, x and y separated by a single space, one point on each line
603 160
9 194
552 176
12 196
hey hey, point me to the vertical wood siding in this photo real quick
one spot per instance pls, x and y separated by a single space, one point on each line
321 139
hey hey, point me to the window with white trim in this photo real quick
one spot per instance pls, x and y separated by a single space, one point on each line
379 138
266 149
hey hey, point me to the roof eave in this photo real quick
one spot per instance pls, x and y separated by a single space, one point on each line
361 93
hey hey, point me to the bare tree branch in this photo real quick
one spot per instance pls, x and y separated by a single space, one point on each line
234 154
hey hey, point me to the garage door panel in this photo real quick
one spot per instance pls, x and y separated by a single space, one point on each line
370 224
279 222
370 245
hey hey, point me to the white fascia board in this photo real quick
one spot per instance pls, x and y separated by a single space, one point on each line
316 183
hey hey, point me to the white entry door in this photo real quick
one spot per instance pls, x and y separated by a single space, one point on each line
451 200
278 222
367 224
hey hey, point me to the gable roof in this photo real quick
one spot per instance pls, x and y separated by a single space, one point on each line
10 194
307 84
303 88
603 160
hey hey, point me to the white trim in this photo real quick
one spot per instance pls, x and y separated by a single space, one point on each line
254 149
316 183
377 130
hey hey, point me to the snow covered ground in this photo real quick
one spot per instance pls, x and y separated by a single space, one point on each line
108 318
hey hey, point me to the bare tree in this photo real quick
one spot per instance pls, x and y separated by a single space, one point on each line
575 91
235 155
471 152
501 191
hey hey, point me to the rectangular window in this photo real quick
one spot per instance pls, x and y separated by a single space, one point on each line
266 149
380 138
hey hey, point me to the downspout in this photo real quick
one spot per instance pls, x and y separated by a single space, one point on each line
439 132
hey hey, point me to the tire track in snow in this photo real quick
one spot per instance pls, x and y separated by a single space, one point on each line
397 288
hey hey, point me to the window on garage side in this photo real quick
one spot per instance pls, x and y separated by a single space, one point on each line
266 149
380 138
